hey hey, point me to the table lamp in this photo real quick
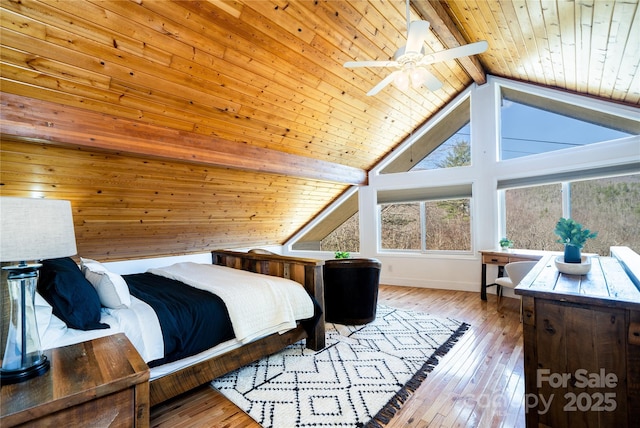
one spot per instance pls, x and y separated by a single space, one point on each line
30 230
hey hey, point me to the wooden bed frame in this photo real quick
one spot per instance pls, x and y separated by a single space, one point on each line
307 272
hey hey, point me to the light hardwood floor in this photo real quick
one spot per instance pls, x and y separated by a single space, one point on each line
479 383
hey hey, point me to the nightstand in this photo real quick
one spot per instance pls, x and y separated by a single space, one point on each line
101 382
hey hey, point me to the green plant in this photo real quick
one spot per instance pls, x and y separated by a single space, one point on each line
572 233
506 243
342 254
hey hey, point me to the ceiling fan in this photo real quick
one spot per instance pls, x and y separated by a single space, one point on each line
411 60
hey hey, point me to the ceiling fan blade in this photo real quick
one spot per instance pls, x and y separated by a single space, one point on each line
431 81
356 64
384 82
453 53
418 32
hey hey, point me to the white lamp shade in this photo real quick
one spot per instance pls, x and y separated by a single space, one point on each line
35 229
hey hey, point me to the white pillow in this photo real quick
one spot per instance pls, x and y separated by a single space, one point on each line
112 289
96 266
50 337
43 313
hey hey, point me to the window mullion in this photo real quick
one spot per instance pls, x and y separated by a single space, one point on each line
566 199
423 226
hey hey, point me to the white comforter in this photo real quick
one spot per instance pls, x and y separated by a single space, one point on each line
261 305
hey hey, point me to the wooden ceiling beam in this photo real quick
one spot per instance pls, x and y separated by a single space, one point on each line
445 28
36 120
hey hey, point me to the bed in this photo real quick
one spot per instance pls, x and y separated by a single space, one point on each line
124 307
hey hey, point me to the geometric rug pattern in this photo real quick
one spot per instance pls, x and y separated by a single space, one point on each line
360 379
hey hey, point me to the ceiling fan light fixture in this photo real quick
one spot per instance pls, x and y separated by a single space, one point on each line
418 76
402 80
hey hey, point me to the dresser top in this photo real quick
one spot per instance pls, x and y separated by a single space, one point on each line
606 284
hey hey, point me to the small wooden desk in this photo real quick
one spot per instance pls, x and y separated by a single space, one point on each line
101 382
500 258
578 328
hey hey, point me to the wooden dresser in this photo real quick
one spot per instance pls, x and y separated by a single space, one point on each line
102 382
581 346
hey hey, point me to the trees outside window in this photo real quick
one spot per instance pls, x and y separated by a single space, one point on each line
428 151
432 225
531 214
337 231
455 151
610 206
400 226
448 225
439 222
531 125
345 237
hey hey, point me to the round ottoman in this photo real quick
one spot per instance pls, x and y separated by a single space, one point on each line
351 290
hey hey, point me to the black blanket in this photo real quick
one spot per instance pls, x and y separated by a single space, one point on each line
191 320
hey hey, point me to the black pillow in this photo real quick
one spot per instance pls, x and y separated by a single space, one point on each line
73 298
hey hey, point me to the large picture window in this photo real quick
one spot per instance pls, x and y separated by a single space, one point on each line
610 206
455 151
446 144
604 198
345 237
531 214
401 227
532 125
424 220
338 231
448 225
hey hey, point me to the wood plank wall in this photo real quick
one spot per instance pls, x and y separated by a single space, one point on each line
265 75
132 207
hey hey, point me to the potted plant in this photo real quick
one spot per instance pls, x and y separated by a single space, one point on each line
506 243
573 236
342 254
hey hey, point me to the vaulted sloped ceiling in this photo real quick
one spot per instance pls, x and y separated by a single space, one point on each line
182 126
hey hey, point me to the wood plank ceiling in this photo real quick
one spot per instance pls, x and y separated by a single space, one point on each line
182 126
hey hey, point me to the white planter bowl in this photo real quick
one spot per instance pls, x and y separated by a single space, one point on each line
581 268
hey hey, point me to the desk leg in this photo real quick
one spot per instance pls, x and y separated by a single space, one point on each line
483 282
500 274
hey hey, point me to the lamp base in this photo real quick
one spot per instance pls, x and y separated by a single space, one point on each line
23 358
8 377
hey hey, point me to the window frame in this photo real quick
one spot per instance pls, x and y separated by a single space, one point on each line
561 107
486 169
464 97
423 226
565 199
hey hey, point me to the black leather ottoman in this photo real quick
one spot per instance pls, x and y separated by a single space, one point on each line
351 290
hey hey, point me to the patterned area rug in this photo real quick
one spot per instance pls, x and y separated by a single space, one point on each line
360 379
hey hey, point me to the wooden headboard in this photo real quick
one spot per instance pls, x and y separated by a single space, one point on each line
307 272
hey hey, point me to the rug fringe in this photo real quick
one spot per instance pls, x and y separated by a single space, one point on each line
390 409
